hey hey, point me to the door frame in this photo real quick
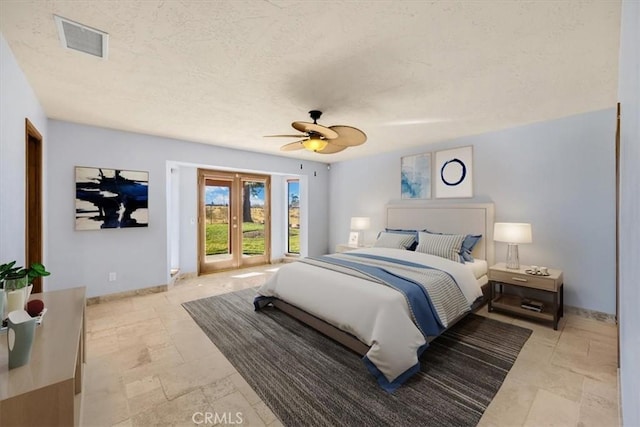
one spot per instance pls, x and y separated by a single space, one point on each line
617 172
33 199
236 180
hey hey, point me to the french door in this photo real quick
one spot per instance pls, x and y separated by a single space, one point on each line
234 217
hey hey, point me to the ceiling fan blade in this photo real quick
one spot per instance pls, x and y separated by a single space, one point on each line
284 136
307 127
331 148
348 136
293 146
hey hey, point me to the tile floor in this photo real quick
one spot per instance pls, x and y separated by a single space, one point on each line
148 363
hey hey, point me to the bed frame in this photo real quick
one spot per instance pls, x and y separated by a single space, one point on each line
454 218
458 218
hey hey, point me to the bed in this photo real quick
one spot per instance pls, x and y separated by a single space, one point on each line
371 299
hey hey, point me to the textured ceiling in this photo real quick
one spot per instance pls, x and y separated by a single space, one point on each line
407 73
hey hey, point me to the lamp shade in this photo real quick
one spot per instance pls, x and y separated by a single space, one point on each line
512 232
314 143
360 223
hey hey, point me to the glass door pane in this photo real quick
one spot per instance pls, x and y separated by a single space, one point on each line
293 207
253 218
217 238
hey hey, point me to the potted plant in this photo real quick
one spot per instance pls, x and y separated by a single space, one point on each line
17 283
19 277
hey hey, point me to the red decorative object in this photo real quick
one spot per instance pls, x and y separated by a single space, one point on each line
35 307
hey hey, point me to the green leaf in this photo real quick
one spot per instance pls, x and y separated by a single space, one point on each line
16 273
38 268
7 266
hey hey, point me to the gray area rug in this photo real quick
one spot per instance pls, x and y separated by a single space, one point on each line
309 380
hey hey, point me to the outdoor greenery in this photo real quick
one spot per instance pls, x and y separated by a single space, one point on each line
294 240
294 227
252 242
253 232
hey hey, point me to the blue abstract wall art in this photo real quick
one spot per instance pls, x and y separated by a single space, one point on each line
111 198
415 176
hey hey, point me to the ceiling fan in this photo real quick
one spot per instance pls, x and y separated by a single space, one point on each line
321 139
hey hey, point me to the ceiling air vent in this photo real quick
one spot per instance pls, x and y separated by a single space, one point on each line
82 38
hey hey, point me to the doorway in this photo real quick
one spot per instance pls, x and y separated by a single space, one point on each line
234 220
33 208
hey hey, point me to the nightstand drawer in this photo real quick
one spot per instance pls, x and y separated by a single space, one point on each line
530 281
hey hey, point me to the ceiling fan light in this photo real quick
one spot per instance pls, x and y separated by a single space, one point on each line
314 143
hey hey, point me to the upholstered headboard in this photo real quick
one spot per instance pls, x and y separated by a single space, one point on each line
455 218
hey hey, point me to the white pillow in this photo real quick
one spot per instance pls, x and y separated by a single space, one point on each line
442 245
394 240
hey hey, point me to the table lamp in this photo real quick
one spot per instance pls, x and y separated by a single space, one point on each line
358 225
512 233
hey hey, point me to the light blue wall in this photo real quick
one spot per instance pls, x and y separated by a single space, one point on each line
557 175
141 256
629 93
17 102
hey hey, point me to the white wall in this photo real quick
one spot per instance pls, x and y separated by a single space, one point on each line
629 95
173 212
17 102
188 219
557 175
140 256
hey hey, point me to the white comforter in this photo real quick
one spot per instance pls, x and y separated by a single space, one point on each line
377 315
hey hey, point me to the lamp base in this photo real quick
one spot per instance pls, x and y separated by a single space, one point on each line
513 261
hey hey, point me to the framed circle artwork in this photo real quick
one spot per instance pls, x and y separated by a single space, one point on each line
454 173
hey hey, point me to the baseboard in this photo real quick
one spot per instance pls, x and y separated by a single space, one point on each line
620 421
126 294
590 314
286 259
184 276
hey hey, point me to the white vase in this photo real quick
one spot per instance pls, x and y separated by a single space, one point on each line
16 300
27 291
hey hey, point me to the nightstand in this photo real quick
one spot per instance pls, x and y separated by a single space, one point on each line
514 286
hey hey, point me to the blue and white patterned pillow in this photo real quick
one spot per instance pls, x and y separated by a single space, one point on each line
468 244
394 240
443 245
414 233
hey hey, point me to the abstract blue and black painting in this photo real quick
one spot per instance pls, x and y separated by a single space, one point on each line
111 198
415 176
